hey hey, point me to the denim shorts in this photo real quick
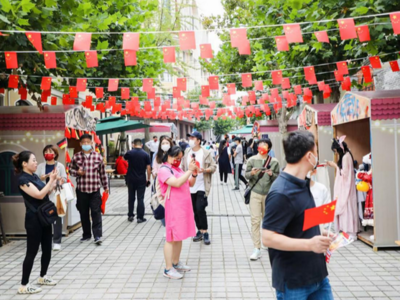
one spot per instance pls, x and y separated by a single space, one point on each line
316 291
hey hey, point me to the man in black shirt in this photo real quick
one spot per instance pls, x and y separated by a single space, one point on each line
297 257
138 164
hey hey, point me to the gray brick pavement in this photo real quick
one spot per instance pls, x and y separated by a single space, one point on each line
129 264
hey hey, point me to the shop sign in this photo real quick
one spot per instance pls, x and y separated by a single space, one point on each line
80 118
306 118
351 108
256 129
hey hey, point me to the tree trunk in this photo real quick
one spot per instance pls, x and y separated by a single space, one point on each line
283 120
147 132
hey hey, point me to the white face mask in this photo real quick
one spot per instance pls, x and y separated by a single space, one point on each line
192 144
165 147
316 162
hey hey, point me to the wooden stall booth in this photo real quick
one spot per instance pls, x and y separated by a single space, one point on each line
371 123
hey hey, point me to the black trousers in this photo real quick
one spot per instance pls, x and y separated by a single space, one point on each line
133 189
88 204
36 236
57 228
223 176
151 156
199 202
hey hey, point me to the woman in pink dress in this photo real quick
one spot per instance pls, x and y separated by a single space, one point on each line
179 216
346 214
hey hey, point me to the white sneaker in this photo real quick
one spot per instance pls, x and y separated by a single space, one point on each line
256 254
56 247
172 274
28 289
46 281
181 267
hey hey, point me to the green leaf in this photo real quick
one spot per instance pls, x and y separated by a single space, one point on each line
23 22
4 19
26 5
50 3
5 5
361 10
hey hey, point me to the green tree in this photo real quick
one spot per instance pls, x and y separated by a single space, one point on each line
221 126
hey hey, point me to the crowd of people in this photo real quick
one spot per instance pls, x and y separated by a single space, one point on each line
183 169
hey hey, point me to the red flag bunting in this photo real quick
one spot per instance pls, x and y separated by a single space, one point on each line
205 91
113 85
176 93
259 85
367 74
81 84
309 73
395 19
130 58
246 80
147 84
23 93
181 83
347 29
322 36
338 76
342 67
82 41
130 41
231 88
206 51
46 83
238 36
213 82
297 90
276 77
11 60
91 59
187 40
73 93
293 33
125 93
321 85
50 60
244 48
169 54
286 83
395 66
319 215
36 39
375 62
282 43
13 81
99 92
363 33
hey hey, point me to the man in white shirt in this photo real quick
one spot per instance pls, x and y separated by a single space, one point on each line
153 146
320 194
238 158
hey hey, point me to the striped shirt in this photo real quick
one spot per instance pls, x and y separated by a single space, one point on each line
95 172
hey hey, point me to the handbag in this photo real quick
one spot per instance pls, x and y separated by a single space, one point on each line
157 201
61 203
69 191
46 213
247 192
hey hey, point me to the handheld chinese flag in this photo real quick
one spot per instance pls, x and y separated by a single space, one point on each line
125 93
285 83
363 33
322 36
36 39
244 48
81 84
11 60
169 54
347 29
82 41
213 82
13 81
99 92
276 77
395 19
73 93
187 40
375 62
293 33
246 80
231 88
50 60
206 51
258 85
319 215
342 67
205 91
181 83
147 84
46 83
130 58
238 36
282 43
104 199
91 59
395 66
113 85
130 41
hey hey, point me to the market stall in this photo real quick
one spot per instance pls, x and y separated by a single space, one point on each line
371 123
156 129
245 131
316 118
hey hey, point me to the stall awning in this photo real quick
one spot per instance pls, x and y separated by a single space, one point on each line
117 124
244 130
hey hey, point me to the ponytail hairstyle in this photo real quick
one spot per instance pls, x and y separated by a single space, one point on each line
19 158
341 148
173 152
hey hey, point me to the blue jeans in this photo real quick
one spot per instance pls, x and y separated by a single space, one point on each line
316 291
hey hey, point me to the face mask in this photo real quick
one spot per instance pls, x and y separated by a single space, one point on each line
86 147
176 163
256 140
263 150
165 147
316 162
49 156
192 144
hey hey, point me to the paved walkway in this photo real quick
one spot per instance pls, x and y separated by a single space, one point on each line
129 264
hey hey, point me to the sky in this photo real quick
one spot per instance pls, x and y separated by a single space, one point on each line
209 8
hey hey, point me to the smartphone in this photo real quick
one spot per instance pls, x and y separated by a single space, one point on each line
193 155
262 169
55 165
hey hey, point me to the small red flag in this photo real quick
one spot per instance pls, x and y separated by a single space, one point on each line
46 83
367 74
99 92
45 95
293 33
375 62
342 67
206 51
36 39
113 85
319 215
395 19
338 76
346 84
213 82
363 33
176 93
13 81
321 85
285 83
130 58
23 92
205 91
231 88
274 93
65 99
282 43
322 36
11 60
347 29
82 41
252 96
258 85
50 60
53 101
246 80
169 54
297 90
89 101
130 41
147 84
244 48
307 95
309 73
238 36
181 83
151 94
125 93
73 93
91 59
395 66
81 84
187 40
276 77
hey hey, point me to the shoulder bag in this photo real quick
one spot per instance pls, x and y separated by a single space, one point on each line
46 212
248 190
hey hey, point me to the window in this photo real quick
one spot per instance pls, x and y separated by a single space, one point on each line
1 100
22 103
167 77
9 182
